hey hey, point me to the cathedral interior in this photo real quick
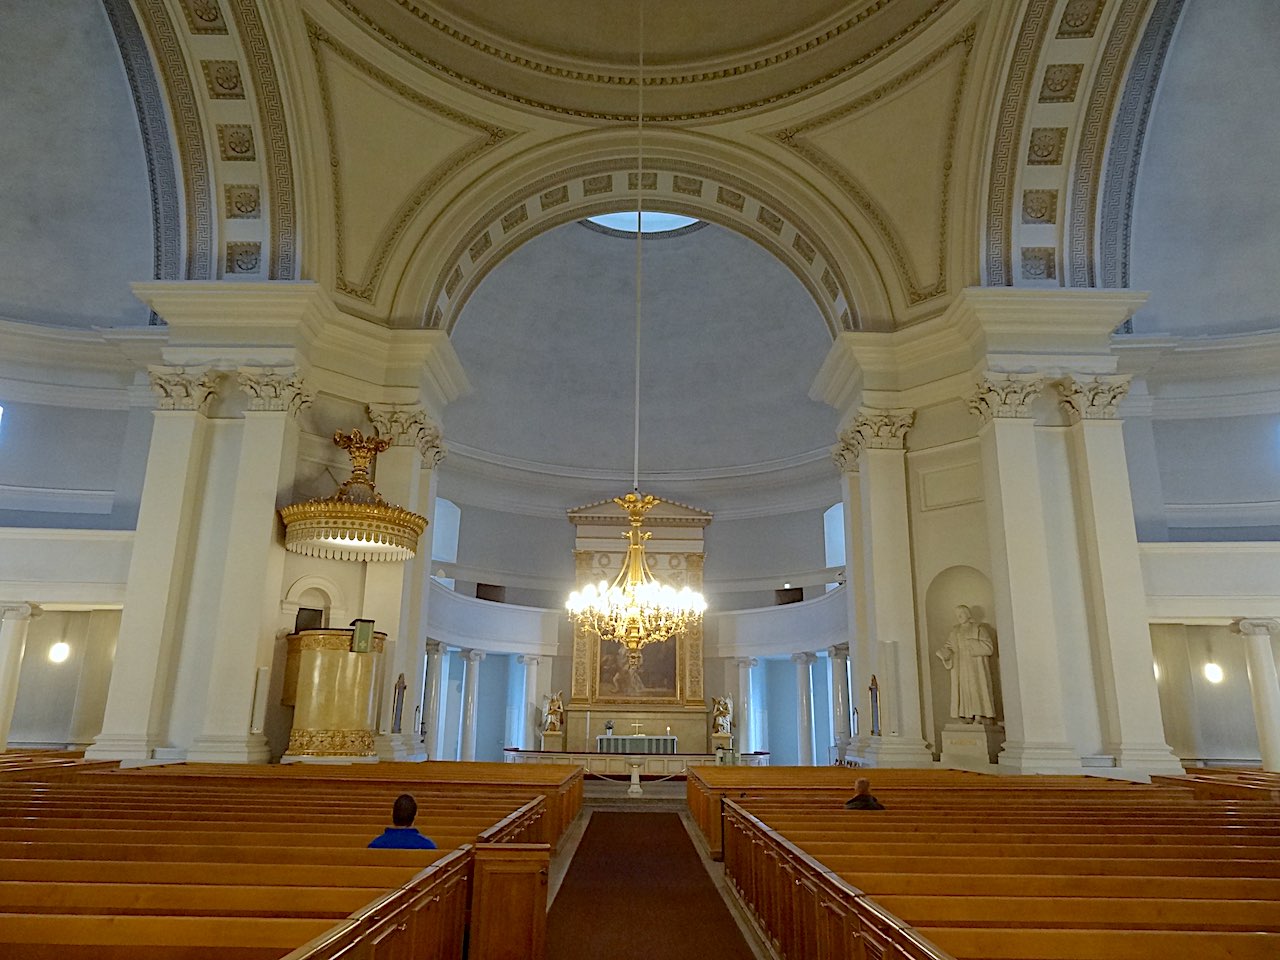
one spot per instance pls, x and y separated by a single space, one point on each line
955 371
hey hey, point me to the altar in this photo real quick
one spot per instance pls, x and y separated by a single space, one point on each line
636 743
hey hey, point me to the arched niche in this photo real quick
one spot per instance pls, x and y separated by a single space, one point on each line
960 584
685 174
317 592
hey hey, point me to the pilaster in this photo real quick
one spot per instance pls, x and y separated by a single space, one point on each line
15 620
1263 686
1035 710
253 569
1130 703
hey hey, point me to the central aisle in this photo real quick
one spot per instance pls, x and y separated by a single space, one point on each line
636 890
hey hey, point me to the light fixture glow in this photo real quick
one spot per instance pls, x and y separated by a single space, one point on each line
1155 667
786 586
1213 673
59 651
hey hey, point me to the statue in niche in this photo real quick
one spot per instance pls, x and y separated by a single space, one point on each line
721 716
553 718
967 655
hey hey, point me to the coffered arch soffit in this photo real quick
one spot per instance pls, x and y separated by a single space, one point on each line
215 72
576 58
683 174
1079 83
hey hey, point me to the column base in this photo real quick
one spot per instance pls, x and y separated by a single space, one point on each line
332 761
120 747
399 747
1146 758
1039 758
251 748
890 752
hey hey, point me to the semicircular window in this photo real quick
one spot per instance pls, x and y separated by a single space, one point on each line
650 222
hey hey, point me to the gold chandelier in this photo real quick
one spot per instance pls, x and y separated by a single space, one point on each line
355 523
636 609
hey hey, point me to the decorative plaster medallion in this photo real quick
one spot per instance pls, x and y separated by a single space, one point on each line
274 389
1039 263
204 16
1080 19
1039 206
235 141
183 388
243 200
1046 146
222 77
1061 80
244 257
1095 399
1005 396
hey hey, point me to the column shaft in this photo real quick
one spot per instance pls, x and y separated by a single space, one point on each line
158 567
15 619
249 596
471 687
804 707
1035 720
433 701
840 694
1265 687
745 709
529 732
1132 727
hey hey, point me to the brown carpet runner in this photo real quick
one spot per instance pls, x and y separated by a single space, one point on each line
636 890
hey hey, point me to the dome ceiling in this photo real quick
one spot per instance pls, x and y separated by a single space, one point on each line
731 343
704 59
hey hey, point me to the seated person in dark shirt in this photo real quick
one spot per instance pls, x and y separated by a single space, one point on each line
862 798
404 835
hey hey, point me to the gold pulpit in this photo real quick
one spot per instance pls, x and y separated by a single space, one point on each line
332 679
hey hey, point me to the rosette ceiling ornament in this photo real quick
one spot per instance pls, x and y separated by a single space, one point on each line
636 609
355 523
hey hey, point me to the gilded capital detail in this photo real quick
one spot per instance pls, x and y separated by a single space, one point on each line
183 388
274 389
1096 399
1005 395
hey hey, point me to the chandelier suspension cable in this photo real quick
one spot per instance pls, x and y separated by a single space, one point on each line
635 460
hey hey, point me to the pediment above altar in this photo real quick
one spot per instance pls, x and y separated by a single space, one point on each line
665 513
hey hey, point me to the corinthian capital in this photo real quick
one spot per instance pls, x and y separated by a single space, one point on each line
407 425
1005 395
883 429
431 444
183 388
1096 399
845 453
274 388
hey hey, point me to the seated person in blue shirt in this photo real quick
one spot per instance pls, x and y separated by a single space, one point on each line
404 835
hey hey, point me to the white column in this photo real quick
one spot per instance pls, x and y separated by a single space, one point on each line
1264 686
15 619
249 594
839 655
434 701
514 733
804 706
745 707
529 704
1034 707
1132 728
158 565
877 439
95 676
396 595
471 686
846 454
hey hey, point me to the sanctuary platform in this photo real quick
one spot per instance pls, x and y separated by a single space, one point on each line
647 764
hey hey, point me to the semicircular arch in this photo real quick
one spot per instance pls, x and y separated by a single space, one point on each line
682 174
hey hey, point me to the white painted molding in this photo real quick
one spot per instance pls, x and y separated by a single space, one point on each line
51 500
1258 513
64 395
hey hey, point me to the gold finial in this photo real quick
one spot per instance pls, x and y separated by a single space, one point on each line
363 452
